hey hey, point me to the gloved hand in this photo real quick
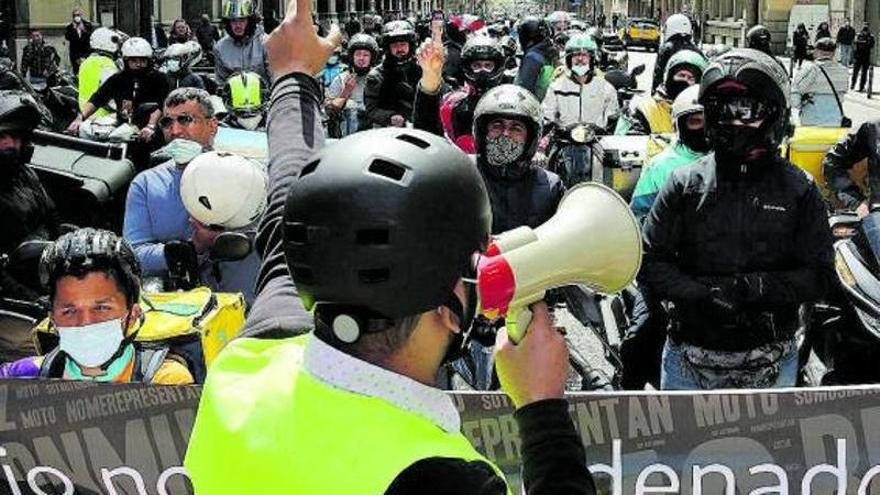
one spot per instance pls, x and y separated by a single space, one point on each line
722 301
540 160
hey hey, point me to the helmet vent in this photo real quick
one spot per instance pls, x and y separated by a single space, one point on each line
297 233
374 275
205 202
414 140
309 168
387 169
372 237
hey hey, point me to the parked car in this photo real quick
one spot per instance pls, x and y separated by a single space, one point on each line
641 32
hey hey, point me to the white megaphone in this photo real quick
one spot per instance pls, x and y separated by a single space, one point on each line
593 239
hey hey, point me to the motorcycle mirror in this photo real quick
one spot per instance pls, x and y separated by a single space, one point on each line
637 70
231 246
28 251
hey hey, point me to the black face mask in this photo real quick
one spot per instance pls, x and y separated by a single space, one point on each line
694 139
675 87
465 315
741 144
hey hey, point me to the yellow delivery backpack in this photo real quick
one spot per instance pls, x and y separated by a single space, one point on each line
808 147
196 325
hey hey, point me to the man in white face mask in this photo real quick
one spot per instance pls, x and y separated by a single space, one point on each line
93 279
154 212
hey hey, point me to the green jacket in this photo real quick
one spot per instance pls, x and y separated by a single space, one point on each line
654 176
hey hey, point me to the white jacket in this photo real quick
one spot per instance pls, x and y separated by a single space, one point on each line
569 102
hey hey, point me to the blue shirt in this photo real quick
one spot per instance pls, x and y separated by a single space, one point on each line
154 215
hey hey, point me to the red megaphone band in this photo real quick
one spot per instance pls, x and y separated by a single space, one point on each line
496 285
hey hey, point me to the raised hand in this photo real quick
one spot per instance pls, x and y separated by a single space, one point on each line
294 46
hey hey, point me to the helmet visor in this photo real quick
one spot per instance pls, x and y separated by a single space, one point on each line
742 108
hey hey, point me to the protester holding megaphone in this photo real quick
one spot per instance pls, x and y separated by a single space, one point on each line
378 242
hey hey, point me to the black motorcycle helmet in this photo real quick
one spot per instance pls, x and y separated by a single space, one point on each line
532 30
395 31
87 250
362 41
483 48
758 38
745 84
384 233
19 115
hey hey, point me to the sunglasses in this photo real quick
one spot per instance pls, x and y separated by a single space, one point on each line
184 119
744 109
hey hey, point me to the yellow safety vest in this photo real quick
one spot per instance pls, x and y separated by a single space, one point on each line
93 71
245 91
658 112
266 426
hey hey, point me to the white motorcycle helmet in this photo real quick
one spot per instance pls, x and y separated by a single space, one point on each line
224 190
677 24
687 103
181 56
105 40
137 48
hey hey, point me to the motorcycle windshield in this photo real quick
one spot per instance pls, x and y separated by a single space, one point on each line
871 229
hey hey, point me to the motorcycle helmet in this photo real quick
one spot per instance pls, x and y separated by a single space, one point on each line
376 235
239 9
691 60
677 25
244 99
483 48
19 115
396 31
750 86
105 41
224 190
362 41
513 102
581 43
686 104
758 38
137 48
86 250
181 56
532 30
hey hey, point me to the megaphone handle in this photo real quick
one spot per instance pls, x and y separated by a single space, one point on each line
518 320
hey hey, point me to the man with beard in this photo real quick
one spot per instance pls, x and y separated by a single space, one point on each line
346 93
483 65
391 86
737 241
138 85
26 211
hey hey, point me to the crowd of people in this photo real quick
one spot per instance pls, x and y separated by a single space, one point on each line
360 278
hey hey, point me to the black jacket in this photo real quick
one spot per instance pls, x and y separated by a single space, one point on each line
846 35
711 223
666 51
864 45
855 147
78 41
530 199
390 90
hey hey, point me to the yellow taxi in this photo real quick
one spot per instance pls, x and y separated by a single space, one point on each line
641 32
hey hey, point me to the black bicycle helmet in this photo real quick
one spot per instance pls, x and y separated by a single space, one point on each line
483 48
87 250
386 232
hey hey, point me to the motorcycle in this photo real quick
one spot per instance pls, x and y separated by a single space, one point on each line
842 336
184 270
625 83
570 154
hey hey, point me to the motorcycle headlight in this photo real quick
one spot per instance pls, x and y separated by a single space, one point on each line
581 134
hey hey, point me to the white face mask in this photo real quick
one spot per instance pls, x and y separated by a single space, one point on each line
172 66
92 345
250 123
77 19
580 70
183 151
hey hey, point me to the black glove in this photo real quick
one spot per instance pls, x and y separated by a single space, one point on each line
722 302
749 287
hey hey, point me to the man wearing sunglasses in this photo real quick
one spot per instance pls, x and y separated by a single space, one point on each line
154 211
738 240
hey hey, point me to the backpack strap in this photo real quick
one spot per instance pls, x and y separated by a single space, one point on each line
52 364
147 363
